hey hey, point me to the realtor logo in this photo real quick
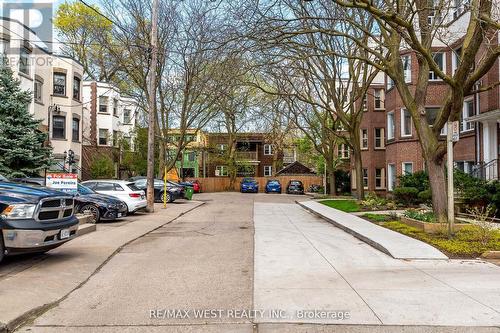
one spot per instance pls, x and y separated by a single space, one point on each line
36 16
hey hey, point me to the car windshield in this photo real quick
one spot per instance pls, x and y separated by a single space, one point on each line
273 182
295 182
84 190
248 180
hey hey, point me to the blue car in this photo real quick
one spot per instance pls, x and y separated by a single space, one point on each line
273 185
249 185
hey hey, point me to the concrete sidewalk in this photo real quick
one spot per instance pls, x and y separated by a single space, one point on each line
26 293
303 263
393 243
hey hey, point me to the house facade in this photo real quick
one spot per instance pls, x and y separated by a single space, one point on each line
255 155
390 143
55 82
109 124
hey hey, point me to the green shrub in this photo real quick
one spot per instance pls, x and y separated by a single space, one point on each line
372 201
406 195
102 167
418 180
425 196
419 215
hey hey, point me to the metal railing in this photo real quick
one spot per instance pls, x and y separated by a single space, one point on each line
246 155
486 171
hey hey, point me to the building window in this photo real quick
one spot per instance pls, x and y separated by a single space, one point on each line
75 130
439 60
268 149
379 138
222 147
406 60
459 6
24 61
268 170
365 178
59 127
364 138
391 176
406 129
221 171
191 156
343 151
407 168
115 138
465 166
126 116
59 84
379 178
391 126
379 95
364 103
103 136
115 107
103 104
76 88
37 93
468 112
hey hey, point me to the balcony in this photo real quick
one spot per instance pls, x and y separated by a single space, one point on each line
246 156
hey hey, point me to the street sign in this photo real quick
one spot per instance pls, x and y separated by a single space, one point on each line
455 134
64 182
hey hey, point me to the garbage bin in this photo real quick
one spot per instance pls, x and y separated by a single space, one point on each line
188 193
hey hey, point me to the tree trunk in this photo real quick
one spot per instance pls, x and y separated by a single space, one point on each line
358 164
330 175
437 179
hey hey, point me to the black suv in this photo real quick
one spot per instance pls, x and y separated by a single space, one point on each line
295 187
34 219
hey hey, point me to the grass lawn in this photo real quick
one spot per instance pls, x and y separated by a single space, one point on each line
343 205
468 242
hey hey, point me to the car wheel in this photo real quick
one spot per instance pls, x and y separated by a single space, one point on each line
92 210
2 248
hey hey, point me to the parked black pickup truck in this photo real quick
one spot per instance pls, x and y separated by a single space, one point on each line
34 219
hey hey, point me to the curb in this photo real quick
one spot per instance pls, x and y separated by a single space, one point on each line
369 241
29 315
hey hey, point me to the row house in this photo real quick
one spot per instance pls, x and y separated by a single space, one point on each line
389 140
255 155
55 82
110 119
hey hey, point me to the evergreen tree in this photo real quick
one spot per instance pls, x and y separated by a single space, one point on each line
22 150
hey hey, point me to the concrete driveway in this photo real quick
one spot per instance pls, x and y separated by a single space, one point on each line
257 261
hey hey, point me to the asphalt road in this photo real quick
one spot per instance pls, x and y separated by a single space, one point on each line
244 252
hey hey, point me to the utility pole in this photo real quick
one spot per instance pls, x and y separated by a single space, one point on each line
452 136
152 108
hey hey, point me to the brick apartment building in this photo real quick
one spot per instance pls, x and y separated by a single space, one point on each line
389 139
254 154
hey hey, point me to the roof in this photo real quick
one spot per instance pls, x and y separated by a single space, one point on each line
295 168
489 115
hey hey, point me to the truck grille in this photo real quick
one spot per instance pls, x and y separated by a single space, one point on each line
51 209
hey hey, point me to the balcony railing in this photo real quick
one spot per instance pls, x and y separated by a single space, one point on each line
246 155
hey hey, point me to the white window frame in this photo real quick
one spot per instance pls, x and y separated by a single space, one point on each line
433 76
38 91
382 178
343 151
391 127
379 95
467 126
406 60
403 132
99 137
222 146
367 178
364 102
390 83
363 138
381 137
221 171
101 100
25 55
403 169
268 170
268 149
391 176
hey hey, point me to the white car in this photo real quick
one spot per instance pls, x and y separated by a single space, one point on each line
124 190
